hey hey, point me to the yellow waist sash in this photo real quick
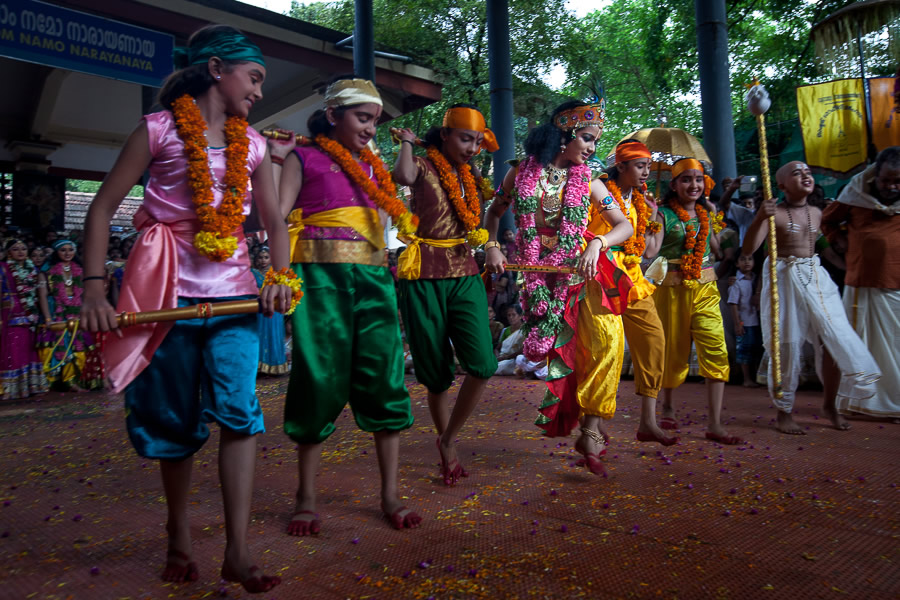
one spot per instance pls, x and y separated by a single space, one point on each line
362 220
409 265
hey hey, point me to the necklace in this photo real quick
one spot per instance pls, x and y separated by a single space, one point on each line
544 295
795 228
462 190
67 275
216 239
555 175
694 245
384 195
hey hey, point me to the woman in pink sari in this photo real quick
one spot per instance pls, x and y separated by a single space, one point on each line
21 371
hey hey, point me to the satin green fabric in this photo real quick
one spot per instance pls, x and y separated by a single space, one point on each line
227 46
346 349
204 371
438 312
673 241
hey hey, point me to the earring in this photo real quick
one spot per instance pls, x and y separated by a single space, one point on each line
562 147
331 123
218 77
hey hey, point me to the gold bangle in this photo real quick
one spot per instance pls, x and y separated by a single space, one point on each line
491 244
603 242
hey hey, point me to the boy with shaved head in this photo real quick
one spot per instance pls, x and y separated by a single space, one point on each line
811 308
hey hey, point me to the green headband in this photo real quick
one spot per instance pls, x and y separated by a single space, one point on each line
227 46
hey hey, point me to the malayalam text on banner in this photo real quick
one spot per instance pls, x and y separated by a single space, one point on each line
833 121
60 37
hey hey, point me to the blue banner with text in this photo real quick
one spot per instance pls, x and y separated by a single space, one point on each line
59 37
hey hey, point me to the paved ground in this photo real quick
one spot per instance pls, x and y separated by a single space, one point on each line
780 517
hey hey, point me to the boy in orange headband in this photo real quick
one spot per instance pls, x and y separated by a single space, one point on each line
688 299
441 296
643 329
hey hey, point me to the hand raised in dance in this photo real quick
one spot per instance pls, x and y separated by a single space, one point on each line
280 148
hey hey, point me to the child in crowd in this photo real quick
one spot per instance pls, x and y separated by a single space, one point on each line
811 307
745 314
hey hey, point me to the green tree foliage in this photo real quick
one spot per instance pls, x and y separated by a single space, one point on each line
91 187
643 51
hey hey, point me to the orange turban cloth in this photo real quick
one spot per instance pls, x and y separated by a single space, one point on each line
686 164
471 119
631 151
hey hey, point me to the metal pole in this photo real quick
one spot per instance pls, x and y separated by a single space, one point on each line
364 41
715 86
871 151
500 71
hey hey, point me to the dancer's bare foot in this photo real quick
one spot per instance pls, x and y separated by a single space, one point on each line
717 433
786 424
179 566
237 568
451 469
651 432
592 446
305 520
399 515
751 384
837 419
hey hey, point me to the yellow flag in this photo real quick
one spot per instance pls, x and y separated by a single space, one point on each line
885 119
833 120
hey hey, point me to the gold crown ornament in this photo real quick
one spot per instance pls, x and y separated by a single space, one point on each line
586 115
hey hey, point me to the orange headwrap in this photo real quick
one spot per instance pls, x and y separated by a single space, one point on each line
686 164
469 118
631 151
709 184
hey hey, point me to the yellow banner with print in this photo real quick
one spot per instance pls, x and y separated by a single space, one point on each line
885 120
833 121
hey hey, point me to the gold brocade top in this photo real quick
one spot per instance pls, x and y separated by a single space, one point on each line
438 220
600 226
551 203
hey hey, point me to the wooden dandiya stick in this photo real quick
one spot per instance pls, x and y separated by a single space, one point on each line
281 134
540 268
758 103
206 310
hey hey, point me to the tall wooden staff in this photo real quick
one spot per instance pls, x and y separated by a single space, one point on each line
758 103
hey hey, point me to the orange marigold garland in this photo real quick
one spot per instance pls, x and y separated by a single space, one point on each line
718 223
635 245
384 195
487 190
692 259
468 209
216 239
286 277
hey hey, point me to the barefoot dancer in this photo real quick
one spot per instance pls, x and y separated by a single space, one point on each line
180 377
643 329
347 345
811 308
576 327
441 295
688 300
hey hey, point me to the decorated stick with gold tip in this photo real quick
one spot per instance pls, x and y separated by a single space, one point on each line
758 103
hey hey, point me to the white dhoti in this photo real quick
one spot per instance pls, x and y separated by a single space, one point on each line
811 311
875 315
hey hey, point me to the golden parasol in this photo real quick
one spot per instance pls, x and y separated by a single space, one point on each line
667 145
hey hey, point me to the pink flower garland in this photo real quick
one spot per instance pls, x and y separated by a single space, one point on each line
544 309
61 298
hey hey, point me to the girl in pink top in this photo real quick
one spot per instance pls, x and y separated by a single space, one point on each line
177 378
